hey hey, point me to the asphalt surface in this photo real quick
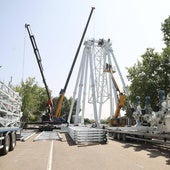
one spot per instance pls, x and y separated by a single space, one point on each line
65 155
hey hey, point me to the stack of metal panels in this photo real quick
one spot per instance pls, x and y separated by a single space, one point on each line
87 134
10 106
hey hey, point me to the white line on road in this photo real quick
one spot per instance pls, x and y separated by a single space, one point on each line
26 138
37 137
50 158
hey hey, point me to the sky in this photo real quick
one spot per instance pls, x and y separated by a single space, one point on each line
57 25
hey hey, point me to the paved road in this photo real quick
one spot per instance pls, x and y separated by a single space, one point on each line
64 155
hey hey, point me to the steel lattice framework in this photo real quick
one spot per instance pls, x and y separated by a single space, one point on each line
10 106
101 82
97 58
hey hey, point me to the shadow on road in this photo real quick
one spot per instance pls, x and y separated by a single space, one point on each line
69 140
88 144
154 150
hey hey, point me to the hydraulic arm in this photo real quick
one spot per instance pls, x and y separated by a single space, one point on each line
121 99
121 96
62 92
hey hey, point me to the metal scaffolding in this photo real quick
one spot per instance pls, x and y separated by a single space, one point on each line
10 106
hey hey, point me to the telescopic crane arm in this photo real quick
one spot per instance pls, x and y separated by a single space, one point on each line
62 92
38 57
121 99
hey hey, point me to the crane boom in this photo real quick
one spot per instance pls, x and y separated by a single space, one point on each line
38 57
121 95
62 92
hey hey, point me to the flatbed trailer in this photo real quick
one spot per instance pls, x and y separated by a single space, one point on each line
157 128
145 134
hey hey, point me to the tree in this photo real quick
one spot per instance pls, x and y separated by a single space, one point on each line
165 27
34 99
144 77
152 73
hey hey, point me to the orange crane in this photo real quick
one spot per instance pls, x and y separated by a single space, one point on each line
121 99
62 92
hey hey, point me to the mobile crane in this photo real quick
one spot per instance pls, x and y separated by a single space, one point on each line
48 116
57 116
62 92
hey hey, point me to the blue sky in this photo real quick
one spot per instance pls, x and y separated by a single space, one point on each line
57 25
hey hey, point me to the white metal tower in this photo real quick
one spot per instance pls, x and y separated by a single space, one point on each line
97 58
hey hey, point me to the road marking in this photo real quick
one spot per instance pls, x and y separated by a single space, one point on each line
37 137
26 136
50 158
139 166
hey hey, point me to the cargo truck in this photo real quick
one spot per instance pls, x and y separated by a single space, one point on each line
10 114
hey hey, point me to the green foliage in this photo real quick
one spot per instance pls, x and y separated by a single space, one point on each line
32 118
144 77
90 121
166 31
104 121
152 73
128 108
34 99
87 121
